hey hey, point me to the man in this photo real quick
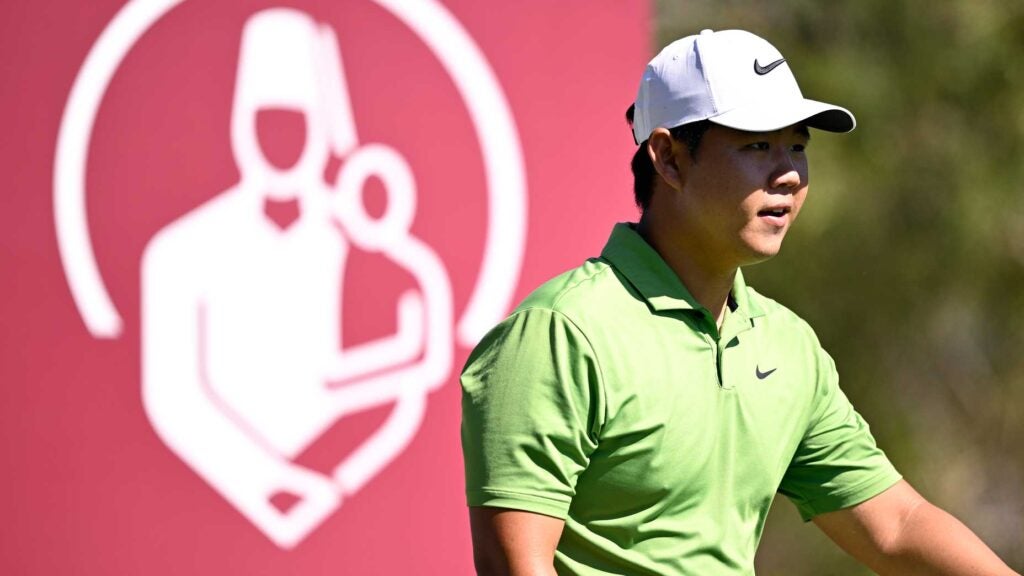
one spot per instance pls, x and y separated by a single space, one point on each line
638 414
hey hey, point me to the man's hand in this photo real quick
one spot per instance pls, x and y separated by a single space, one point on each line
899 532
513 542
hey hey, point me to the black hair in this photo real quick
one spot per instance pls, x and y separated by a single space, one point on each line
643 170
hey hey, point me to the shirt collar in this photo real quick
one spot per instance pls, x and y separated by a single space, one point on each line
635 259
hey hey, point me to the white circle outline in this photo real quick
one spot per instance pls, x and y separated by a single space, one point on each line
458 54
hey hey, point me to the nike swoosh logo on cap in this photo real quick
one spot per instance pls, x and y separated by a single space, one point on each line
762 70
763 375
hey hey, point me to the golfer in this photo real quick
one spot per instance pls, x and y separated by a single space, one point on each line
637 415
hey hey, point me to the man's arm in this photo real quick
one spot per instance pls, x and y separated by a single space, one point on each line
513 542
899 532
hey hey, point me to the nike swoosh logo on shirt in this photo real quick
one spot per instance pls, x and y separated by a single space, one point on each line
763 375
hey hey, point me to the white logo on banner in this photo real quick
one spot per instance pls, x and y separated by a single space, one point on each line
243 366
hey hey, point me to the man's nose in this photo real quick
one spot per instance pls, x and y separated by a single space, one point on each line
786 175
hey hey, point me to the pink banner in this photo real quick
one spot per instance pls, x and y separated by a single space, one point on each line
247 248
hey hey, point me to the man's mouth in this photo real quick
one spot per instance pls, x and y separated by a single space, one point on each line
774 212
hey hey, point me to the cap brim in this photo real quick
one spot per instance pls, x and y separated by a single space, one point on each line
766 117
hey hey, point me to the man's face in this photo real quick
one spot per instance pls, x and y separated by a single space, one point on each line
281 133
741 195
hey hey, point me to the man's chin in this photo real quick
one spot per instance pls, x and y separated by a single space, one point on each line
758 254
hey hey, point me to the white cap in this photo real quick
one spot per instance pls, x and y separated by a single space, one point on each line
732 78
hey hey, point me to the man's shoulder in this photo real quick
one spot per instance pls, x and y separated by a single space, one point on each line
779 317
555 309
587 285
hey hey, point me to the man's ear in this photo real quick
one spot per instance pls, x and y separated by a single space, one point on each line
669 158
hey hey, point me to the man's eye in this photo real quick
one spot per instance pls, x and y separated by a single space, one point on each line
763 146
799 147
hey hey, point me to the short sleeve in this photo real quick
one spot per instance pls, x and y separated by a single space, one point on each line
531 413
837 463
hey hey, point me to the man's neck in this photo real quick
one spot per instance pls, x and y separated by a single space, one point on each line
708 284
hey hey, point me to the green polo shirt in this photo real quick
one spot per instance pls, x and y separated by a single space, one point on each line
609 399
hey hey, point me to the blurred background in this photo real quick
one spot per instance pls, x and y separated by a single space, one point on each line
908 259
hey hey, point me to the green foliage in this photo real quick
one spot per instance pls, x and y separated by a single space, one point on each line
909 255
